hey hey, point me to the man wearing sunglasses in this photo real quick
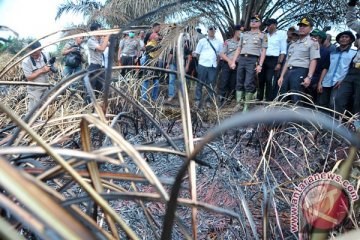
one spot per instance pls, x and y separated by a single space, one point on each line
252 51
300 63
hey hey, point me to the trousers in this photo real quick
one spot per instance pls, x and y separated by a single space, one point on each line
245 80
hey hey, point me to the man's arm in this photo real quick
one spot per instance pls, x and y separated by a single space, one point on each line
283 49
37 73
169 59
236 55
261 61
121 46
103 45
223 55
312 68
67 49
319 86
283 72
198 49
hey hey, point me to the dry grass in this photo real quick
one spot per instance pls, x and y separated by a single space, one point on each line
117 171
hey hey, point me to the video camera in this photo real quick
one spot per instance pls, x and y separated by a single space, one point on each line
51 65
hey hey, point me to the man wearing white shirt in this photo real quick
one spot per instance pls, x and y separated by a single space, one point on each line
208 50
275 55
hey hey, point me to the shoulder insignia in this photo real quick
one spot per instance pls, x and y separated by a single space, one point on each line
316 45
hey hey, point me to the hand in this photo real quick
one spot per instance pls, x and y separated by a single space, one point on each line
258 69
306 82
187 68
232 65
280 81
278 67
45 69
119 62
337 85
167 66
352 3
319 88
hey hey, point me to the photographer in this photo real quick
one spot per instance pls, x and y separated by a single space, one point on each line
97 46
36 68
73 56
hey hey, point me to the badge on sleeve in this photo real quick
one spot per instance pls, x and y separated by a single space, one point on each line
316 45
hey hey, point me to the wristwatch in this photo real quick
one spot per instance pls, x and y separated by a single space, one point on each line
309 77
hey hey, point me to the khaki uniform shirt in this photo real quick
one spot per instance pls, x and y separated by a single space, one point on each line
95 56
29 68
129 47
253 42
302 51
230 47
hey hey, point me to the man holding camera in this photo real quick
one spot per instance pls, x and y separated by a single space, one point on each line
36 68
74 56
97 46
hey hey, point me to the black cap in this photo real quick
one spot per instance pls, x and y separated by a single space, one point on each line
211 28
95 26
306 21
256 17
35 45
349 33
237 27
271 21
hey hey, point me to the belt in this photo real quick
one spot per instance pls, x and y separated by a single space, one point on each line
248 55
127 55
272 56
293 67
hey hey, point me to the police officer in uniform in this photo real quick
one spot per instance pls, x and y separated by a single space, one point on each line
252 50
301 62
228 76
349 90
129 51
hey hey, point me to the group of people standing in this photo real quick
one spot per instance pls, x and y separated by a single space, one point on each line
253 64
265 64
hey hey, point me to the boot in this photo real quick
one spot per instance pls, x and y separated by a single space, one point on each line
239 99
248 97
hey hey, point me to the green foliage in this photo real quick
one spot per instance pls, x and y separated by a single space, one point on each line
14 45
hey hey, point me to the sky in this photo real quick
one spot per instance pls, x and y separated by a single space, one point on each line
33 18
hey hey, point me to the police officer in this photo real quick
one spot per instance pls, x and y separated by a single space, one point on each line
252 50
228 76
301 62
349 90
129 51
